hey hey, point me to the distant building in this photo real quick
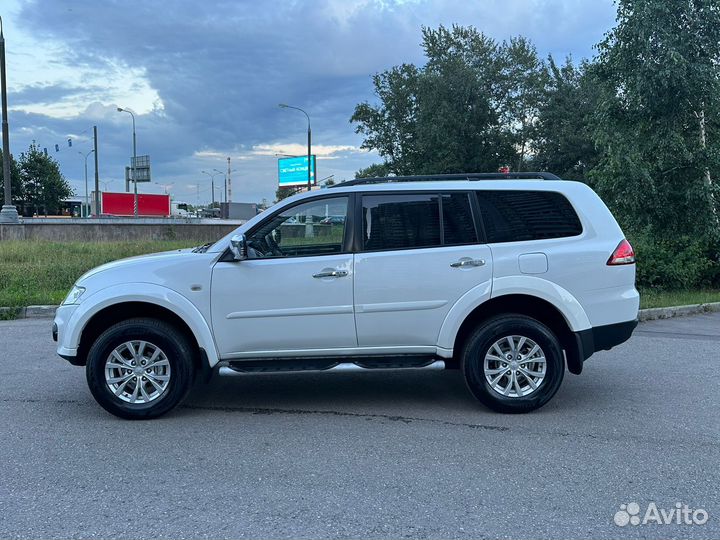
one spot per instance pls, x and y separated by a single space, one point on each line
238 210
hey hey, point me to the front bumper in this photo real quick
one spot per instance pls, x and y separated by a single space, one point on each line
65 348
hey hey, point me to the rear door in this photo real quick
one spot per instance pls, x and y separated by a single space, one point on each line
419 253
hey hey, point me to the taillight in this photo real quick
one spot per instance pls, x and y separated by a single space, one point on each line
623 254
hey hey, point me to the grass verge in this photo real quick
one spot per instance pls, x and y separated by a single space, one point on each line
35 273
653 299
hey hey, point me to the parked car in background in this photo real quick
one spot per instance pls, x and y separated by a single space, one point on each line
333 220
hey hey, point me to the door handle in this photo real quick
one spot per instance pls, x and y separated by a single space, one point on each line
331 273
464 263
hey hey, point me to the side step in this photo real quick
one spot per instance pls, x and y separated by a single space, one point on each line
239 367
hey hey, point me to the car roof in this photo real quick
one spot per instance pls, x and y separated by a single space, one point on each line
446 185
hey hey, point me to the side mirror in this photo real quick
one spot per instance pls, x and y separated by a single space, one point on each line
238 246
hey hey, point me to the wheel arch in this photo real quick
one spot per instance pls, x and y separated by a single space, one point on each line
531 306
97 313
115 313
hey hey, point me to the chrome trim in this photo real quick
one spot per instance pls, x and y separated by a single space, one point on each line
331 273
291 312
467 262
347 367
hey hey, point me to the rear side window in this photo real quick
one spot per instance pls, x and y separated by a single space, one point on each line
401 221
514 216
458 224
417 220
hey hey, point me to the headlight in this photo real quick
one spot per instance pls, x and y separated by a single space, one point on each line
74 295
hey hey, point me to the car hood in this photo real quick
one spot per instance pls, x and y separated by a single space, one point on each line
135 268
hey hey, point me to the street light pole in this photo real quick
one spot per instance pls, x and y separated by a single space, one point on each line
225 198
8 213
87 198
166 187
212 185
309 141
134 161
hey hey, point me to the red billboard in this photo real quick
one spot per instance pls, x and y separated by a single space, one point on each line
123 204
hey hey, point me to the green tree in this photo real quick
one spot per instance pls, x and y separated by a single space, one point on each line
446 116
44 186
390 128
523 84
563 136
656 123
285 192
15 181
376 170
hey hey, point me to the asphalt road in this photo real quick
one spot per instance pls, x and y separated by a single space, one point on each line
377 455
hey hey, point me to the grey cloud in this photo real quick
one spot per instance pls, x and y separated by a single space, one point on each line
221 67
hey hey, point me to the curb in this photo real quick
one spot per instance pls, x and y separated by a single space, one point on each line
650 314
29 312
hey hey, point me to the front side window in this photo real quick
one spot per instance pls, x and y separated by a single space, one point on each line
312 228
400 221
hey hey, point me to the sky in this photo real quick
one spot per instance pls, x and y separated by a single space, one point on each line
204 79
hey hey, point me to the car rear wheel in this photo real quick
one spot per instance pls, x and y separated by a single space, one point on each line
513 364
140 368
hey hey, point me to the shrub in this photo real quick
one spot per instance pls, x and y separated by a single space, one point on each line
681 262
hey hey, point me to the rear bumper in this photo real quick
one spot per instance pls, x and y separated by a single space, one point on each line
606 337
599 338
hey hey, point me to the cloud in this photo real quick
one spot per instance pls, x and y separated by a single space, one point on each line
206 77
295 149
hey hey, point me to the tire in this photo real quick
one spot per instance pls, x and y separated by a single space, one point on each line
163 384
481 369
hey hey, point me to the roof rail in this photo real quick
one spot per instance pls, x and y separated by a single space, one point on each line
450 177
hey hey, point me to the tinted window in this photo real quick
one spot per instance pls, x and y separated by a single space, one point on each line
458 225
311 228
401 221
512 216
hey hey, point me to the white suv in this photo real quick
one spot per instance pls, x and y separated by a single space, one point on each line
507 279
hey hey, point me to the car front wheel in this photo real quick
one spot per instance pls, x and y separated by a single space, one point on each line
513 364
140 368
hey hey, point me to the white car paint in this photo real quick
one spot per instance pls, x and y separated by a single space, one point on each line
277 305
177 280
402 297
408 301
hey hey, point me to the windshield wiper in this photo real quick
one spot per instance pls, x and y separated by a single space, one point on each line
203 248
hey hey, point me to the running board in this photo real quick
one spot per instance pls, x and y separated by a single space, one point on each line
299 364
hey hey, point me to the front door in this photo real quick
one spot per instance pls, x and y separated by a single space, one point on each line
294 293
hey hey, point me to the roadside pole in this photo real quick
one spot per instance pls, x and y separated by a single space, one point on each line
8 213
97 174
